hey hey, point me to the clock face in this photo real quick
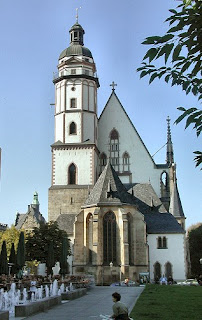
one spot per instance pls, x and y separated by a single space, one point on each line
73 88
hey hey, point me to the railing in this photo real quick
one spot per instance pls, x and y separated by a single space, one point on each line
56 74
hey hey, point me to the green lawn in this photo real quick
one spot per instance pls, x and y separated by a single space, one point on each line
169 302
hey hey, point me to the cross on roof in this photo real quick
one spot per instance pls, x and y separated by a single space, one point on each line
113 85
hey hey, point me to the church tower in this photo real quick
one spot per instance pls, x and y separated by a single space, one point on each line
74 152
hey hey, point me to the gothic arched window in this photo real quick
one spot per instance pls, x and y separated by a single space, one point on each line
126 161
72 174
109 238
164 181
114 149
157 270
130 251
72 128
168 270
103 161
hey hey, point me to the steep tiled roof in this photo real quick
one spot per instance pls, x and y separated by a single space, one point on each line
66 222
162 223
109 190
146 197
20 219
157 219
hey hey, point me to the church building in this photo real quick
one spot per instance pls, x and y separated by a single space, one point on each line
121 210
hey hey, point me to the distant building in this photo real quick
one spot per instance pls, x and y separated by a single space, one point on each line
3 226
32 218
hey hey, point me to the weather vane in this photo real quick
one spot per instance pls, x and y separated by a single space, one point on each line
77 16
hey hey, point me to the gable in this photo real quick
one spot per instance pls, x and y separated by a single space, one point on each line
114 116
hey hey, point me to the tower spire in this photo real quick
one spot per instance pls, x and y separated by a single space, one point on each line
170 154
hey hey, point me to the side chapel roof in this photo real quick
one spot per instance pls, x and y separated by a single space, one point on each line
108 190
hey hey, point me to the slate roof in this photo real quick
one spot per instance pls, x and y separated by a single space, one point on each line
162 223
157 219
109 190
175 203
66 222
20 219
145 197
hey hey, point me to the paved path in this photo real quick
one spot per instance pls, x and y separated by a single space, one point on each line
97 301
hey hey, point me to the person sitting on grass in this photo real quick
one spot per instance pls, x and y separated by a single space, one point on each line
163 280
120 311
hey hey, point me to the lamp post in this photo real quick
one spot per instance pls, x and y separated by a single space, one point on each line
111 266
10 264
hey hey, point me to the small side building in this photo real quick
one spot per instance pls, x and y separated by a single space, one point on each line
32 218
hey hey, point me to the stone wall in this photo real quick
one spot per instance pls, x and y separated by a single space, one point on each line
65 199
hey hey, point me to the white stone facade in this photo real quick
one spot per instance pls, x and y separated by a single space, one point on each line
174 253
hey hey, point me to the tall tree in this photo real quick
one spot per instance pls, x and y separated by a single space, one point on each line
50 262
12 260
181 48
37 242
64 267
195 248
4 261
20 259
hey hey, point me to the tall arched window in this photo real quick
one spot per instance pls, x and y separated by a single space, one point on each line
103 161
130 251
126 161
109 238
72 174
168 269
72 128
89 238
114 149
157 270
164 180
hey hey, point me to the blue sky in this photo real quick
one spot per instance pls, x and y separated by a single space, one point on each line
33 34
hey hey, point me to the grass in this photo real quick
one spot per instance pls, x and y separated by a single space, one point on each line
169 302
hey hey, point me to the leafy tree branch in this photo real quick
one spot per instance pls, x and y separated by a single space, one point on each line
181 51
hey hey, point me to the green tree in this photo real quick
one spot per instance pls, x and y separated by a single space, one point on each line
64 267
50 263
12 260
37 242
4 260
10 235
181 48
20 258
195 248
